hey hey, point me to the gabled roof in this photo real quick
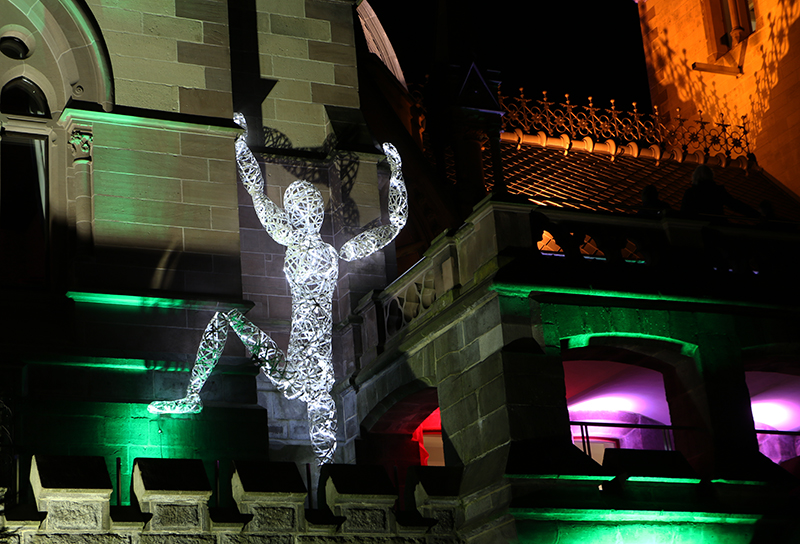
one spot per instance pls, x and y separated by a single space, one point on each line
611 180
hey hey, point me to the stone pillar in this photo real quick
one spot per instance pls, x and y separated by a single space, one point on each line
731 421
74 491
82 188
176 493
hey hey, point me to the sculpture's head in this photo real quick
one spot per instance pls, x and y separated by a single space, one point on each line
304 205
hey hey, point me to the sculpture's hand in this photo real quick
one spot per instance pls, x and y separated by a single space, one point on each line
239 119
372 240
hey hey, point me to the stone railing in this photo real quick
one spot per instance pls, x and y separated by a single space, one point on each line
557 243
356 503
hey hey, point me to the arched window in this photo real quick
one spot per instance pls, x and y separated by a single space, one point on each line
23 188
21 96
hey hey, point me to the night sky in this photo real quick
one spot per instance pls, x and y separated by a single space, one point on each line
581 47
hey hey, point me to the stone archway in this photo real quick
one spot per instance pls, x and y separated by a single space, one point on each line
683 384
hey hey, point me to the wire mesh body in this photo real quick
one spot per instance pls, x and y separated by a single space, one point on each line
312 269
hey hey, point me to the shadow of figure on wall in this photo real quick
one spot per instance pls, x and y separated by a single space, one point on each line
327 165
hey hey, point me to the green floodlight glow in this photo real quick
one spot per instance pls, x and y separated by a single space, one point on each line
650 516
109 363
584 340
516 290
661 480
135 365
136 301
582 477
738 482
136 121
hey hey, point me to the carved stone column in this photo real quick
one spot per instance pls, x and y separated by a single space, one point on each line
80 141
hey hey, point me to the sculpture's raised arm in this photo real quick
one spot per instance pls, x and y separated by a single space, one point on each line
373 239
272 217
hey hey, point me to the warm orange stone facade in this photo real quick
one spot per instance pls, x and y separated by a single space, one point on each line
678 34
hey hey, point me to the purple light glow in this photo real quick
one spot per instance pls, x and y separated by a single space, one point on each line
616 387
775 399
610 403
776 413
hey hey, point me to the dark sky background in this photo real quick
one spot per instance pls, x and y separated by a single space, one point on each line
581 47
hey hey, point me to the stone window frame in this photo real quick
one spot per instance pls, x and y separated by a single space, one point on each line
68 60
719 19
43 129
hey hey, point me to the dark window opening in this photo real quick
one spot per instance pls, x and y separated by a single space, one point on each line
23 210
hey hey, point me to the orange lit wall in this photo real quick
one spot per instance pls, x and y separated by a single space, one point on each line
678 33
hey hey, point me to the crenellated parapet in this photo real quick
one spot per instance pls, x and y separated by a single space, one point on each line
74 491
171 505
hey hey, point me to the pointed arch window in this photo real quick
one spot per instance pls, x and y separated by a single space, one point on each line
23 187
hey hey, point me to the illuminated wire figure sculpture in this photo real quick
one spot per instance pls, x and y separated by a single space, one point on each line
312 269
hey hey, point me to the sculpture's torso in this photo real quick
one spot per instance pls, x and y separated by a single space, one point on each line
312 268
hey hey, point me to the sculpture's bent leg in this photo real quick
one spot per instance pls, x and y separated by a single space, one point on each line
266 353
322 426
211 346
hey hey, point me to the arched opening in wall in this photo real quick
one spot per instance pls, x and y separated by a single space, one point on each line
775 404
618 405
646 396
23 187
429 437
404 430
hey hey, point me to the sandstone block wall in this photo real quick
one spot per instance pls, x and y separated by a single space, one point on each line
309 48
169 56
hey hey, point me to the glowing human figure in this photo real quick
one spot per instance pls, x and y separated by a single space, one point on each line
312 268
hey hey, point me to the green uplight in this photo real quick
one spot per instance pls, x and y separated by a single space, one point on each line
516 290
574 514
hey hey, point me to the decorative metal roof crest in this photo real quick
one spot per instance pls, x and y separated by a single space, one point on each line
691 136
